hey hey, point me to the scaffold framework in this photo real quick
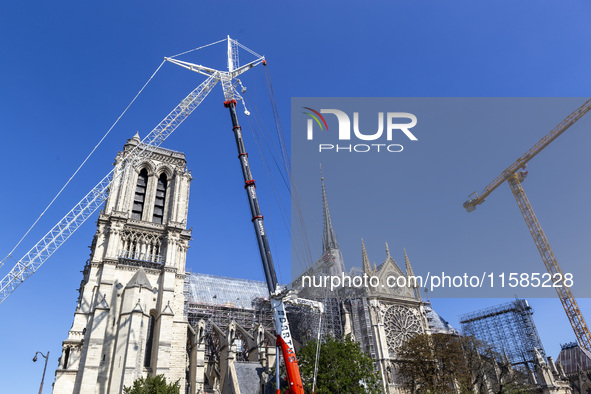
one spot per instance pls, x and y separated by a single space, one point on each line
509 329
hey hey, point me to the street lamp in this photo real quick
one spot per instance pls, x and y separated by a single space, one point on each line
46 357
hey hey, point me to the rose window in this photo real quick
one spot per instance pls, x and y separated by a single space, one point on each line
400 324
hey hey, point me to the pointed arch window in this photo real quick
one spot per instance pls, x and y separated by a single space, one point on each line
160 199
140 195
149 342
66 357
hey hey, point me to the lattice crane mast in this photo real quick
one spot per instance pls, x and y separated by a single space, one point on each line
38 254
515 176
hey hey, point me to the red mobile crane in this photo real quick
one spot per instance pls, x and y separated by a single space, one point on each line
231 96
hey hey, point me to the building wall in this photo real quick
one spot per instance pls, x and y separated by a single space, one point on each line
132 290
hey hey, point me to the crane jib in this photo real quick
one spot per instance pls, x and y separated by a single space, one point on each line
522 161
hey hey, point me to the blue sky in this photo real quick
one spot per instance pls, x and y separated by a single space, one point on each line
70 68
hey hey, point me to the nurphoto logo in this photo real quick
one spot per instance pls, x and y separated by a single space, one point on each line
394 124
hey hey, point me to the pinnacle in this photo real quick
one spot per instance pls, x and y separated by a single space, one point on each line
365 259
408 267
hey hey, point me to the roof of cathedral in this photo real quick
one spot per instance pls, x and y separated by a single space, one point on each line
437 324
221 290
572 357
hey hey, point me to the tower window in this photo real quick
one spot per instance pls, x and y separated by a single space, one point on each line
66 357
160 199
149 340
140 195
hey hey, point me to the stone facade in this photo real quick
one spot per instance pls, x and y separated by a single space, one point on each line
396 314
549 378
129 321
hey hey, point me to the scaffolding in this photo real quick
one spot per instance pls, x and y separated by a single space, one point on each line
221 300
306 322
509 329
361 324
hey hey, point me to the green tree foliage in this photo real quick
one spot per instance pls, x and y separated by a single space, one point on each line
153 385
342 368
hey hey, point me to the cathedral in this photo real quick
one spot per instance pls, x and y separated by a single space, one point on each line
140 313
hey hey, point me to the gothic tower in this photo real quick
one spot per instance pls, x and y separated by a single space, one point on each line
129 321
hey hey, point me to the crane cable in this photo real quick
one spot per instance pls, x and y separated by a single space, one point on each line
81 165
278 125
307 257
196 49
259 125
261 133
317 357
272 182
302 244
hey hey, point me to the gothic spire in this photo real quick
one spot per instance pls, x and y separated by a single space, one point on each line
329 238
365 259
409 271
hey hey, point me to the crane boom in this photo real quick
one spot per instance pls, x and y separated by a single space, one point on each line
471 204
43 249
566 297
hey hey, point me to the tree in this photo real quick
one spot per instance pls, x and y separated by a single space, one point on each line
442 363
432 364
342 368
153 385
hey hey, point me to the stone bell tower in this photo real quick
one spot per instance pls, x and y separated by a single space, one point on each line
129 321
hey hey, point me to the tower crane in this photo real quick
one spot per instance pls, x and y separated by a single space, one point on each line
514 175
33 260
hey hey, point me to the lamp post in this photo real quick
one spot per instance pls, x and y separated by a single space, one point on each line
46 357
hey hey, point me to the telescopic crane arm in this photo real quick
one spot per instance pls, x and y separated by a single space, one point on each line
520 163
